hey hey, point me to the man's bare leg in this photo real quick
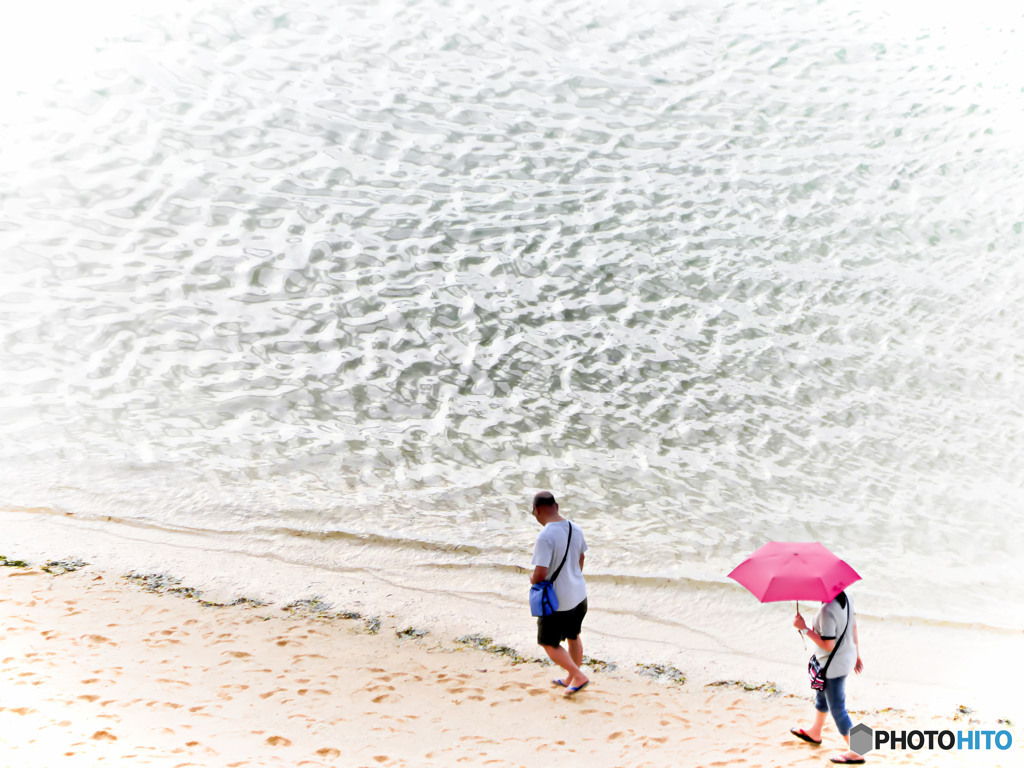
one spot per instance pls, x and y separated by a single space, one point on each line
576 650
561 657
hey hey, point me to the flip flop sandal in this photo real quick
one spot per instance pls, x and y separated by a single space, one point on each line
800 734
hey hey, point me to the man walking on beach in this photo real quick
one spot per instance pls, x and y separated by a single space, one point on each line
553 544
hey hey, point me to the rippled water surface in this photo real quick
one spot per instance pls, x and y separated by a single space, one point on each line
714 272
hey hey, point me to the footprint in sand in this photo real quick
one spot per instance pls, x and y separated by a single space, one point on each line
104 736
328 752
278 741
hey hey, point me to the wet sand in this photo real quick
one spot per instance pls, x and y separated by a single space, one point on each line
98 671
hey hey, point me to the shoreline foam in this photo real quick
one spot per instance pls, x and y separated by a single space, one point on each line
707 634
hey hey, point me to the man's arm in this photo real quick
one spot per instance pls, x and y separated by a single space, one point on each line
540 573
581 561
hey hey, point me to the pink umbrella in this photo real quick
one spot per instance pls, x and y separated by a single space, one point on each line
794 570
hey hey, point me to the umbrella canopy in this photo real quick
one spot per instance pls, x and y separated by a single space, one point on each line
794 570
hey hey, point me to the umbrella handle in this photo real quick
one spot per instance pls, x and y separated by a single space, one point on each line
802 638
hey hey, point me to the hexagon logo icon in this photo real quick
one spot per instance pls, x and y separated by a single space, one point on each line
862 739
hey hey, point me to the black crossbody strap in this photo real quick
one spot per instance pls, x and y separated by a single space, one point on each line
840 640
567 543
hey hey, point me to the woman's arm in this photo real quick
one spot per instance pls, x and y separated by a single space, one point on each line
859 666
817 639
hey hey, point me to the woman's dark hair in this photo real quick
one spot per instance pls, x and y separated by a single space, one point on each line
841 599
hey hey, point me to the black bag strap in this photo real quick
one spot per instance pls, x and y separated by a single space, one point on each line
840 640
567 543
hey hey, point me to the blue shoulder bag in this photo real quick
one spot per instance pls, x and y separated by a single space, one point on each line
543 600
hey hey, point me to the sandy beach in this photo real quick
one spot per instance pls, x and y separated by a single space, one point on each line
96 670
302 301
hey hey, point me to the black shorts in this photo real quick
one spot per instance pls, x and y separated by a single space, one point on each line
561 625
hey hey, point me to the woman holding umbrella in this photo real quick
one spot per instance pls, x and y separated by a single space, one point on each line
806 570
834 633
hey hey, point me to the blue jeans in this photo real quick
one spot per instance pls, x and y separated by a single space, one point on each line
832 698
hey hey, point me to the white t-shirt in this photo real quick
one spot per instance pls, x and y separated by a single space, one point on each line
830 623
570 587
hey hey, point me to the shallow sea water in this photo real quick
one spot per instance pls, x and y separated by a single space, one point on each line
715 273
